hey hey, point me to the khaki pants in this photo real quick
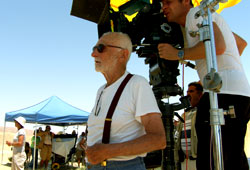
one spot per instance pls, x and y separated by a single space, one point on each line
46 152
191 164
18 160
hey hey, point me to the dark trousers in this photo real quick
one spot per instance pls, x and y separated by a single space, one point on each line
31 162
233 132
133 164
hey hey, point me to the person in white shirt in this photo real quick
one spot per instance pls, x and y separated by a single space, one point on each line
46 150
136 126
80 149
18 143
235 89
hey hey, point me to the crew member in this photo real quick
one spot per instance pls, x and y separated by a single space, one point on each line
235 89
186 145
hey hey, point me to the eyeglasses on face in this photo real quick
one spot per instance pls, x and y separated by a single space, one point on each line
191 91
98 108
100 47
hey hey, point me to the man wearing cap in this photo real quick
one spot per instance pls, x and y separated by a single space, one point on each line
18 143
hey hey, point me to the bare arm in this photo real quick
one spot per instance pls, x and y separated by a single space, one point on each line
82 143
196 52
41 133
154 139
240 42
18 143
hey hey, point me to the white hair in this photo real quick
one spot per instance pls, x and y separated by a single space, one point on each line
122 39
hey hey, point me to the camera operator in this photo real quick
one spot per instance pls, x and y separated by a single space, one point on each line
136 126
235 89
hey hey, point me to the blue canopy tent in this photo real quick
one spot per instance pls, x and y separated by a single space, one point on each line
53 111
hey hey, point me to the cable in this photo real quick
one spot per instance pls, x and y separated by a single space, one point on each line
185 134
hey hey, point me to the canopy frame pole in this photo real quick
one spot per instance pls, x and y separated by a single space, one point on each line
3 141
34 151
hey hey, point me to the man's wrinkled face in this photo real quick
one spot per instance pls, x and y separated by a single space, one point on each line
105 54
194 96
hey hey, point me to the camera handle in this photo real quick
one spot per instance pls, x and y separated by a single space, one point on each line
212 80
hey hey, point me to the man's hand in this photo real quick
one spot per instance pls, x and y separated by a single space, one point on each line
8 143
154 139
168 52
96 153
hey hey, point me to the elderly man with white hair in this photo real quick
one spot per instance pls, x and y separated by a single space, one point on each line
136 126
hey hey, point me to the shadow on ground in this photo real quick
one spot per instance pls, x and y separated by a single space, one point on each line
7 164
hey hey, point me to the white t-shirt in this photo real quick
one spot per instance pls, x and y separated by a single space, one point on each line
137 99
48 138
230 69
19 149
78 142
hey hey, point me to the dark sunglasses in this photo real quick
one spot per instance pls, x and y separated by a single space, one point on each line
100 47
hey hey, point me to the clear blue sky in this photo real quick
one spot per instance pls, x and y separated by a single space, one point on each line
45 51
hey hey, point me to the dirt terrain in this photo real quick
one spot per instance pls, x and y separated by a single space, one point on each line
7 152
10 132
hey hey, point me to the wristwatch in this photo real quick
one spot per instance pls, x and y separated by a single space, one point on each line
181 54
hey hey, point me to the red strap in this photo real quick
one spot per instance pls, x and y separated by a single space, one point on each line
108 120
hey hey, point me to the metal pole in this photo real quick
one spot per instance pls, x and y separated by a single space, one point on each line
216 115
218 119
34 152
3 141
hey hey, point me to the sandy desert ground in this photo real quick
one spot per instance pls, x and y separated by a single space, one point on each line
10 132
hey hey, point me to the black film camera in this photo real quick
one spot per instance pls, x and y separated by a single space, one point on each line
147 29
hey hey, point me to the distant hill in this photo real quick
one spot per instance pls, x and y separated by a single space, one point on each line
14 130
